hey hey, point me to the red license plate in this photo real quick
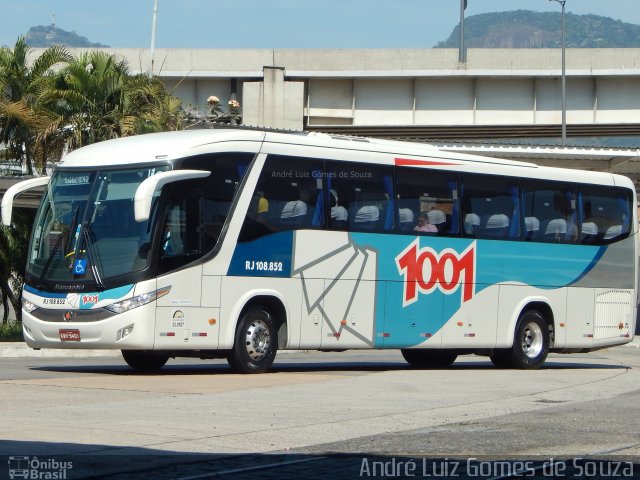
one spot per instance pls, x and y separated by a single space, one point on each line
69 335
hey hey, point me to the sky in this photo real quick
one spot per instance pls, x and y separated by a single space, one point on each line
274 23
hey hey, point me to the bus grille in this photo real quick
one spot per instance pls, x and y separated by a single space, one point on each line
613 314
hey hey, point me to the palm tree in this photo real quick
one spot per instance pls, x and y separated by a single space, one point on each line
24 122
90 99
156 109
88 95
97 98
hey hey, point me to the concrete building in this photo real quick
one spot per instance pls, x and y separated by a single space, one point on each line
503 91
499 88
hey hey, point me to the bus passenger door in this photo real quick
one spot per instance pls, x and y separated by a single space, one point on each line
181 320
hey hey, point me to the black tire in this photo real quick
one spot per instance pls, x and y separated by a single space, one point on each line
501 358
144 360
530 343
256 343
420 358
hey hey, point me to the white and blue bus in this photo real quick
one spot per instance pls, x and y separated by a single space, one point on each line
235 243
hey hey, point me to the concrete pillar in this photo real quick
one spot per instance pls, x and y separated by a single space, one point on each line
274 102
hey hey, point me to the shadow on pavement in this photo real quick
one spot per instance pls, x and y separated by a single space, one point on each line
111 367
26 459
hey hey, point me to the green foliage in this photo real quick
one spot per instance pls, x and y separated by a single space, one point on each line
527 29
24 123
96 98
11 332
13 258
87 95
43 112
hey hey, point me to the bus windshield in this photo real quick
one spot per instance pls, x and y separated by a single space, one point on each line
85 230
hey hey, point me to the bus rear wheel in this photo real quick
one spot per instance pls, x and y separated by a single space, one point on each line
530 344
256 343
501 358
144 360
420 358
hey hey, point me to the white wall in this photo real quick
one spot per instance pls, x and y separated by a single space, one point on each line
415 86
383 102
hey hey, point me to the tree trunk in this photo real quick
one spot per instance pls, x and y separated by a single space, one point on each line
5 307
13 297
28 162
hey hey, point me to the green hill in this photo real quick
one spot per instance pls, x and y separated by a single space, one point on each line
46 36
527 29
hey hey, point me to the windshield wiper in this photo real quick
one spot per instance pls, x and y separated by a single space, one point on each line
74 219
93 255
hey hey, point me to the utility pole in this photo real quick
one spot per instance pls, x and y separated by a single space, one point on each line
462 57
564 79
153 35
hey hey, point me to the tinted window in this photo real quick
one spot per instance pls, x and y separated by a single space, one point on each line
490 207
427 202
605 214
550 213
218 189
361 196
289 196
181 239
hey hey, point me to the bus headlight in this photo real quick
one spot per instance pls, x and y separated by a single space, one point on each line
27 306
137 301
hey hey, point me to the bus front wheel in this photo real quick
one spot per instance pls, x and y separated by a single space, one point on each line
144 360
418 358
256 343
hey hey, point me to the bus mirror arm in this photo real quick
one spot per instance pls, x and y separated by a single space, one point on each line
144 194
14 191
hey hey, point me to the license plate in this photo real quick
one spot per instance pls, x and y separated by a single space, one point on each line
69 335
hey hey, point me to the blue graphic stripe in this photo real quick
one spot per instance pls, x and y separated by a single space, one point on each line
42 294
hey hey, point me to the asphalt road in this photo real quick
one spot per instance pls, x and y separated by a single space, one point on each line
323 415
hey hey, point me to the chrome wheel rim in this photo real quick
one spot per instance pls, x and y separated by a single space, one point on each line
532 340
258 340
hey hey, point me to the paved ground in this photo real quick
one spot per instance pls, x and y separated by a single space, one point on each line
324 415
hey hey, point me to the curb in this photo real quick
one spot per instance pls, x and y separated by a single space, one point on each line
21 350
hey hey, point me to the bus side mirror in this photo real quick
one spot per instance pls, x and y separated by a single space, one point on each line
144 194
14 191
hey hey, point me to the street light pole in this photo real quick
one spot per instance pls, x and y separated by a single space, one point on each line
564 79
462 57
153 35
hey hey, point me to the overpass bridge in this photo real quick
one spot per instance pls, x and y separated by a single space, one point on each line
509 92
423 93
498 103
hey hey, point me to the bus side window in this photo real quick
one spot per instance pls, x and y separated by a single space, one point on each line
362 196
605 214
289 195
491 207
550 211
427 197
181 236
